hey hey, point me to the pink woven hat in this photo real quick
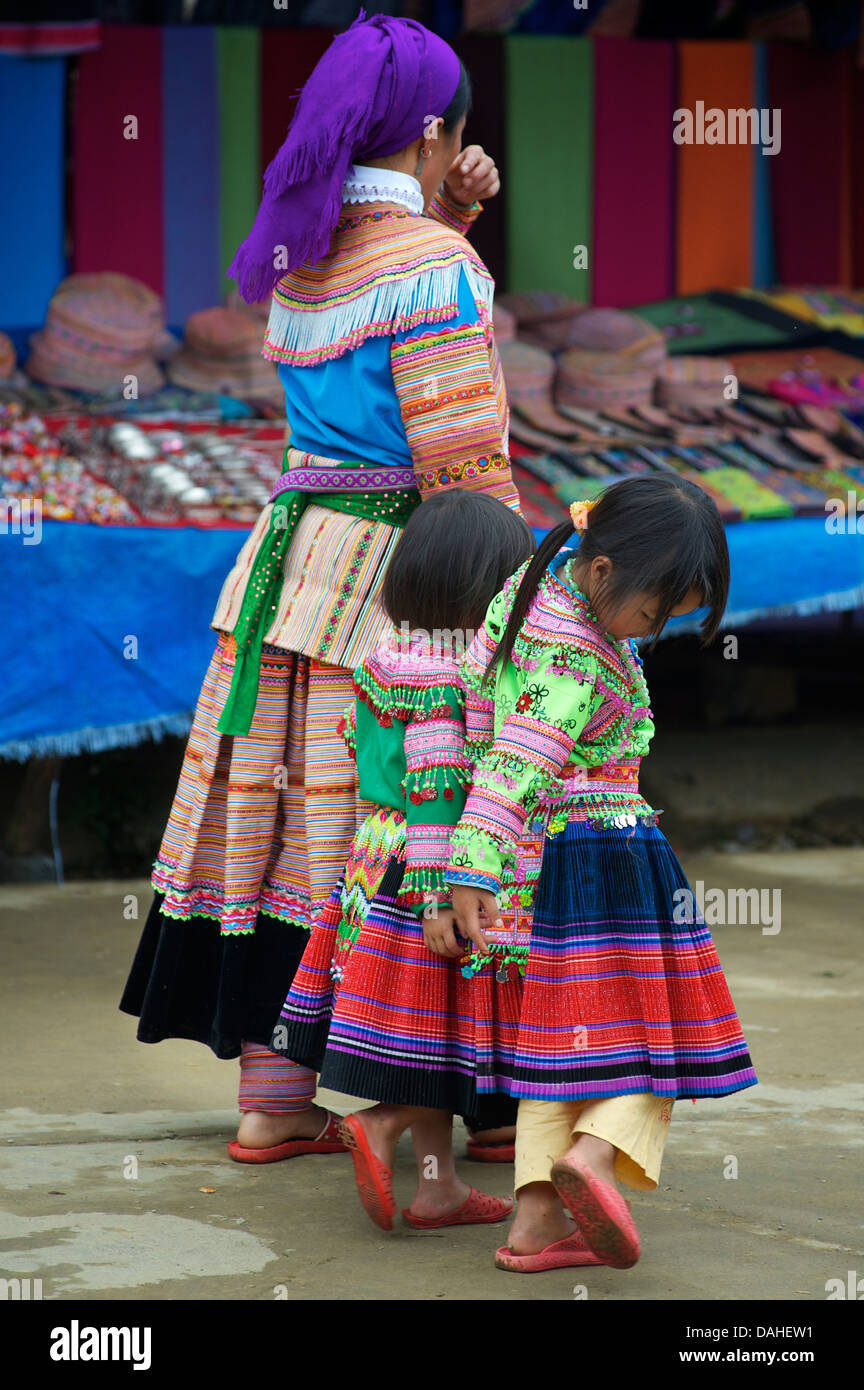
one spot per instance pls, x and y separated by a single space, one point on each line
616 331
99 330
127 312
544 318
698 382
601 381
528 376
222 352
613 364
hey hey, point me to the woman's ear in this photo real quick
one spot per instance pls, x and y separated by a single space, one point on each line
432 127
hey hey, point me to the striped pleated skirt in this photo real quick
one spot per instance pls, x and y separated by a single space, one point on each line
257 837
381 1016
619 996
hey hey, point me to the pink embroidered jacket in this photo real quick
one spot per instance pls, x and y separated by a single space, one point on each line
556 735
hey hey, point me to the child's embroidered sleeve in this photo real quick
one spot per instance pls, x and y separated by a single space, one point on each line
453 403
552 706
443 209
435 786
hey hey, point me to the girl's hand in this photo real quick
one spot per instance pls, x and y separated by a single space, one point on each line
472 175
467 905
439 935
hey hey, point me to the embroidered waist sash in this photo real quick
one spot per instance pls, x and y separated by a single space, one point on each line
392 503
311 473
608 794
608 777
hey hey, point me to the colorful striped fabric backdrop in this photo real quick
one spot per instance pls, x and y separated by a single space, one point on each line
634 165
32 135
117 192
171 130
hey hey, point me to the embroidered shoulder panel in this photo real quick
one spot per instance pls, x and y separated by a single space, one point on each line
409 682
383 273
560 619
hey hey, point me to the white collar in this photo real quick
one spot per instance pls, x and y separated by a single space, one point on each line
366 184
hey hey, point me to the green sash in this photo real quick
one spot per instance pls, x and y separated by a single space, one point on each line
262 590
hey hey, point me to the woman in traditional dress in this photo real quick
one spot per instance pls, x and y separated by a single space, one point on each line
381 323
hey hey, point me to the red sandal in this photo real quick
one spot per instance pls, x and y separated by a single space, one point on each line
374 1178
600 1212
561 1254
478 1209
327 1142
490 1153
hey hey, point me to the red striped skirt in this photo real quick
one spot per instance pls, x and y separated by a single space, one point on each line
389 1020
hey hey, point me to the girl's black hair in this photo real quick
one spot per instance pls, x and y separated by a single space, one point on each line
664 537
460 104
452 558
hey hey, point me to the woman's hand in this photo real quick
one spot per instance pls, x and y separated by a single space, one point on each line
439 935
467 906
472 175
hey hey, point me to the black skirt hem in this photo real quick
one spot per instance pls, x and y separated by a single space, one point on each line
188 981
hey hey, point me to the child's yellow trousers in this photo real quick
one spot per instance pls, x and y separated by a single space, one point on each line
637 1125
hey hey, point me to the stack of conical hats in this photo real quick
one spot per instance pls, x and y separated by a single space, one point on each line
222 352
100 330
698 382
613 363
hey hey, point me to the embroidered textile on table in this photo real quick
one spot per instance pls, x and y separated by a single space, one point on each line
371 1006
262 823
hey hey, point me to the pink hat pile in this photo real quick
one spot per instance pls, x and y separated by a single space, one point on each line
100 330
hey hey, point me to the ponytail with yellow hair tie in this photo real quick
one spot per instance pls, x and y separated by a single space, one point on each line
579 514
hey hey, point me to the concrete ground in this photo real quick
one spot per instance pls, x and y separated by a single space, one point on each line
116 1183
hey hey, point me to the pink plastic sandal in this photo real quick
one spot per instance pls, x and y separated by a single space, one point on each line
600 1212
478 1209
561 1254
327 1142
374 1178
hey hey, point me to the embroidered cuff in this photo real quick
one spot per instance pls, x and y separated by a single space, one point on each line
495 813
434 743
443 209
490 473
470 878
524 742
427 850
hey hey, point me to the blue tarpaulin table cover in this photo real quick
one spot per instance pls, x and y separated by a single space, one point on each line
107 636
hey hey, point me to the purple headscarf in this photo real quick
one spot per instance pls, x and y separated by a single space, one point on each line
368 96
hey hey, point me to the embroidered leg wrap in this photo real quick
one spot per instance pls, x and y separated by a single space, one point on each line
272 1083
